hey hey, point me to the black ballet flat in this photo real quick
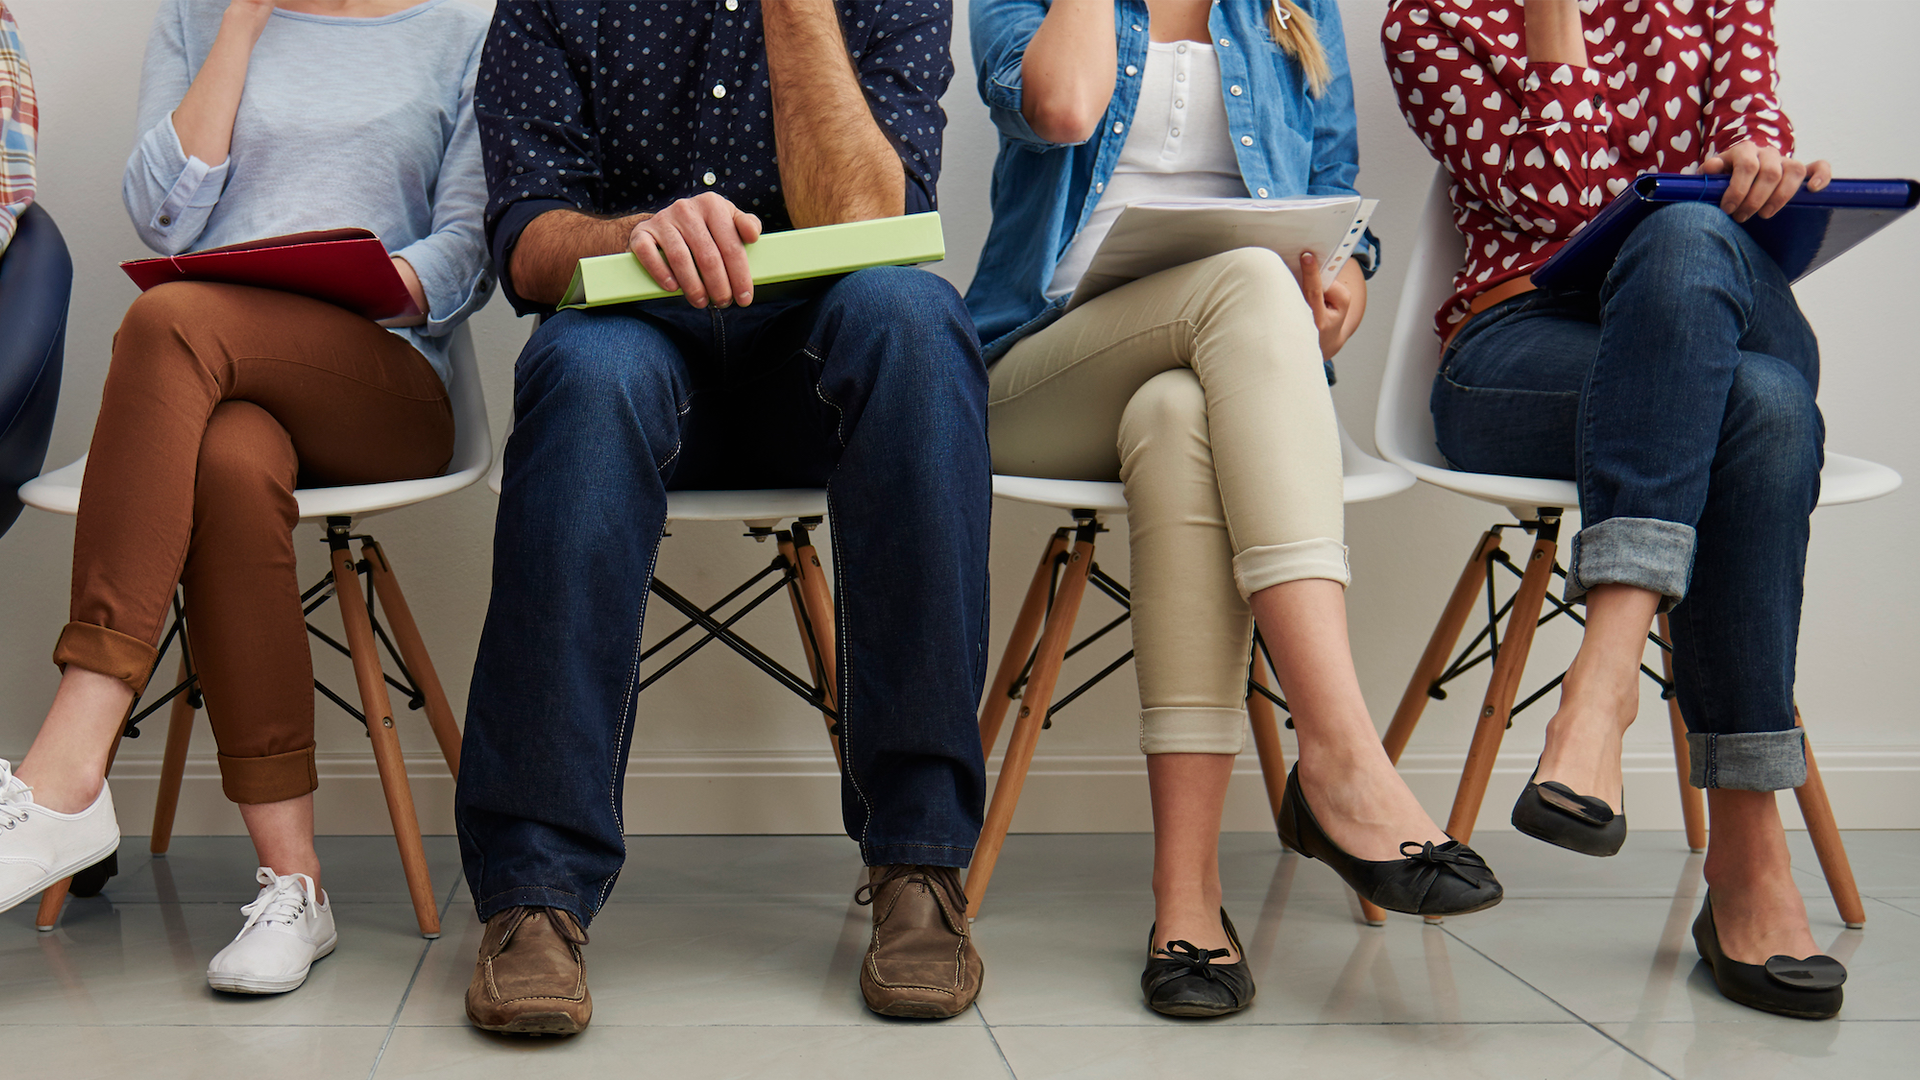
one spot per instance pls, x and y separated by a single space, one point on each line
1565 818
1431 879
1183 980
1808 988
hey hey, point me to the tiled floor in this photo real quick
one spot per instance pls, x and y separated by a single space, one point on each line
736 956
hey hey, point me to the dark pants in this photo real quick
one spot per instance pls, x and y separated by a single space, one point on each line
873 387
1680 398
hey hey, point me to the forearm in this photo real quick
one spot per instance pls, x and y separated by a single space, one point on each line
836 164
543 259
204 118
1067 73
1553 33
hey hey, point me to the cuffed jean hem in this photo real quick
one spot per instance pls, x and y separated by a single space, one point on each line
1193 731
533 896
108 652
268 779
1259 568
916 854
1748 760
1644 552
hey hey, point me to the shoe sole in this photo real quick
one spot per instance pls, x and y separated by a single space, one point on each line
555 1023
58 873
243 984
908 1010
1198 1012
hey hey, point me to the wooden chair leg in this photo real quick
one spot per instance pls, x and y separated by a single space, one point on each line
413 652
813 616
1497 707
1033 713
1825 833
1026 628
173 766
1446 634
1266 737
1693 801
386 741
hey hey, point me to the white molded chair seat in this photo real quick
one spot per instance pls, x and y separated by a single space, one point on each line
756 507
1367 478
58 491
1403 428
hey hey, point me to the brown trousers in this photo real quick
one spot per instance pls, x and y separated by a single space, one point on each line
220 400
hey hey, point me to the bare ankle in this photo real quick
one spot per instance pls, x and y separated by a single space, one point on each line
61 792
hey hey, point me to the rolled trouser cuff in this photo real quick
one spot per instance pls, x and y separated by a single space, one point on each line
1748 760
107 652
1647 553
1193 731
269 779
1258 568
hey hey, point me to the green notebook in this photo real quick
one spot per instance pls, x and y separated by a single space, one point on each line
778 256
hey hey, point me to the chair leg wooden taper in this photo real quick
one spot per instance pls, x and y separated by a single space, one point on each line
1026 629
1824 831
1693 801
387 756
1504 684
173 767
814 618
1266 738
1034 703
413 652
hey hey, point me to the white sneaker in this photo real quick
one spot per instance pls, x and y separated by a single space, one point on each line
39 846
288 928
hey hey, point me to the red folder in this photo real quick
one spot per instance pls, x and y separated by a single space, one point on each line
347 267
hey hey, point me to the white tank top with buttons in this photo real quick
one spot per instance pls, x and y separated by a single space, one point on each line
1179 148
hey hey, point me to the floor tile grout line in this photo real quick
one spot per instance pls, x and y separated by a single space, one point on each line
995 1040
446 908
1590 1025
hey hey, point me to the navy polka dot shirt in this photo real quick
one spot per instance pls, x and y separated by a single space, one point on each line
622 108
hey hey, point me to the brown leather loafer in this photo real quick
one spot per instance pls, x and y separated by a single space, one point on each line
922 962
530 978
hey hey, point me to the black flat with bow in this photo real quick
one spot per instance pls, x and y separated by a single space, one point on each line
1429 878
1183 980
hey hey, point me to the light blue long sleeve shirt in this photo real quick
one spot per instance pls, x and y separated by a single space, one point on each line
364 123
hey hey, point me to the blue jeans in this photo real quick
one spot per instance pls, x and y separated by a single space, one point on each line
872 386
1680 398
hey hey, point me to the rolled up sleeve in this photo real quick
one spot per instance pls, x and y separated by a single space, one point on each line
169 193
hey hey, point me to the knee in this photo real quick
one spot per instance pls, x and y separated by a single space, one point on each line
1169 409
1682 252
599 362
165 314
246 461
913 301
1774 421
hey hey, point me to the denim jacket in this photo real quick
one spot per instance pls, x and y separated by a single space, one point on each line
1288 143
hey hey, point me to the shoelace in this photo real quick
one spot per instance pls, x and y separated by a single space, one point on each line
943 875
15 797
1450 861
283 900
1197 961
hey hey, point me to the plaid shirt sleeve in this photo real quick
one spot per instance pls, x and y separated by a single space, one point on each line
19 124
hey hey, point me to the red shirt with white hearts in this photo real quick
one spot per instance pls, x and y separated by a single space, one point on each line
1535 153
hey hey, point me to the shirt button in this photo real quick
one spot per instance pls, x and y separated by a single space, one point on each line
1181 77
1182 47
1176 133
709 178
1118 127
1261 192
1179 103
1234 90
733 5
719 91
1224 43
165 221
1246 140
1136 28
1131 70
1099 188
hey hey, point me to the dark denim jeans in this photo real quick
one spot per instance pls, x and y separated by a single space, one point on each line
1680 397
872 385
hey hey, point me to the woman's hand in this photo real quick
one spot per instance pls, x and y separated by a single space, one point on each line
698 247
204 118
1337 306
1762 179
412 281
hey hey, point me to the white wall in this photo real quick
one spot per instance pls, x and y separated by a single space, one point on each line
720 749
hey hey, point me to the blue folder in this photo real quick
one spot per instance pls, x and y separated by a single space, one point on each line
1812 230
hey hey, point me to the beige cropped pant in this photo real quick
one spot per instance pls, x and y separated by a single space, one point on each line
1201 389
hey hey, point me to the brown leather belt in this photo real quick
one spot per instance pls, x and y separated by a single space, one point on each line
1506 290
